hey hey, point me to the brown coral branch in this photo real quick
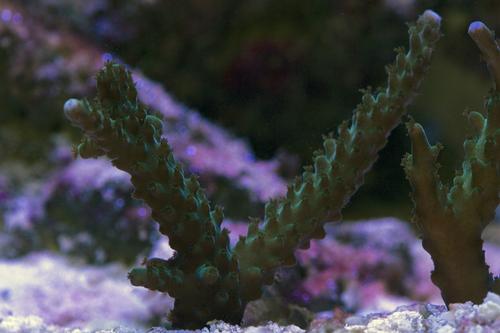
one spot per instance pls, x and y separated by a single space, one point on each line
451 221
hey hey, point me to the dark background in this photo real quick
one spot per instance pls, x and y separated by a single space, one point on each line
278 73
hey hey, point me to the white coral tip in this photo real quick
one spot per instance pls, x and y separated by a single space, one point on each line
71 107
432 16
476 26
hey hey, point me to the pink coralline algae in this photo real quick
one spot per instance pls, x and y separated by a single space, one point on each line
360 270
84 210
236 229
87 175
84 296
21 211
79 176
492 254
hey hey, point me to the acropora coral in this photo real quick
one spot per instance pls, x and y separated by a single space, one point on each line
207 278
452 219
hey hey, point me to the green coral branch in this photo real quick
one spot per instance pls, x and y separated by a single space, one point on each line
206 278
203 274
452 220
339 168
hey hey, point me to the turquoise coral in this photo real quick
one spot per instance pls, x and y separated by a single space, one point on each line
451 220
207 278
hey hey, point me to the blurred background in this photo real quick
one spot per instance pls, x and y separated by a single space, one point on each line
276 74
246 89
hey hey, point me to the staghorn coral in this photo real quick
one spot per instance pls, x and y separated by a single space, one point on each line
339 169
208 279
452 219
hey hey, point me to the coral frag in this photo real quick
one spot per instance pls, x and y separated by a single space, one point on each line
208 279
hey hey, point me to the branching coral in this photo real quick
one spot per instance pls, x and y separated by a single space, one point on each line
207 278
452 219
339 169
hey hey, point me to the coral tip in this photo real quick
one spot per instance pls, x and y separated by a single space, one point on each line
432 16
